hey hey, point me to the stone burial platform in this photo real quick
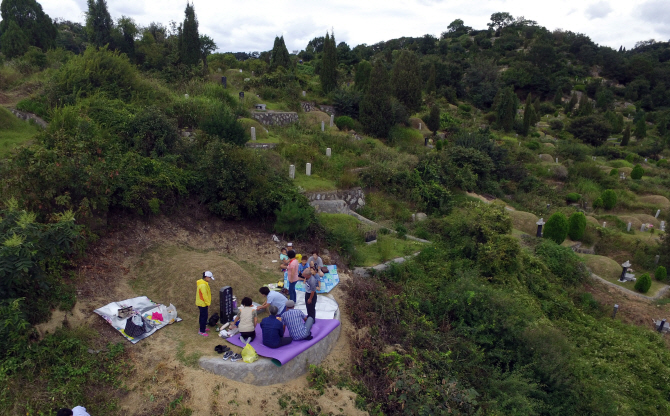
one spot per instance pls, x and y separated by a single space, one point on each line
264 371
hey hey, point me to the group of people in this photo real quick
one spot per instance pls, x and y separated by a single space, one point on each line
282 312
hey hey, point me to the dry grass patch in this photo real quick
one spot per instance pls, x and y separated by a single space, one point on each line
592 220
524 221
647 219
248 123
636 223
546 158
314 118
656 200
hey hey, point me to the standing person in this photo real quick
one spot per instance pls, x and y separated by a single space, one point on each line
272 298
293 270
302 266
248 321
311 282
203 298
299 326
273 330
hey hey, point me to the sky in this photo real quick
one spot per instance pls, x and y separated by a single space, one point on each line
253 24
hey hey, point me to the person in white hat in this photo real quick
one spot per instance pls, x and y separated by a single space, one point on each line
203 298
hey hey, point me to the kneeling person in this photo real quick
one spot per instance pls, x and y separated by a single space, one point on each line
273 330
299 325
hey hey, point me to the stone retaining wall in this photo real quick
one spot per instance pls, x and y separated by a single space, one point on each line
29 116
275 118
353 198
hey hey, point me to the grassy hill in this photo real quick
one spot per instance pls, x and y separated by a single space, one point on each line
14 132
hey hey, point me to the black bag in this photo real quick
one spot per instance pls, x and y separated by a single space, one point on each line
213 320
132 329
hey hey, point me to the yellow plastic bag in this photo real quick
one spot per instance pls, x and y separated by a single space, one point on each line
249 354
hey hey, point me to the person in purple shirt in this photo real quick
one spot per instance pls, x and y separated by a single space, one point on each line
273 330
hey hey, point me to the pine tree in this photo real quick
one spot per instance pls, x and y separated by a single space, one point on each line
558 98
406 81
585 106
626 135
99 23
13 41
362 78
571 104
328 73
279 56
433 122
375 108
430 84
189 42
641 127
528 116
36 26
506 106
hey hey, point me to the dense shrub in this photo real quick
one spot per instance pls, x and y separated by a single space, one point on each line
590 129
532 145
609 199
643 283
344 123
556 228
223 124
614 172
294 217
637 172
573 197
556 125
576 226
661 274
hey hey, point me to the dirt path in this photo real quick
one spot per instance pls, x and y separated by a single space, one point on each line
165 371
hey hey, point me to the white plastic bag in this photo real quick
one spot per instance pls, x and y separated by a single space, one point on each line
170 314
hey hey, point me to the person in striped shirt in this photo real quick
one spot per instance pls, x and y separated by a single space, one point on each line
299 325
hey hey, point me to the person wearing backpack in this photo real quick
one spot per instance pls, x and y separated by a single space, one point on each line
203 298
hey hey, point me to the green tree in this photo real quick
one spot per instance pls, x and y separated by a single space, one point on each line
500 20
590 129
223 124
433 121
556 228
124 35
99 23
528 115
626 135
328 75
362 77
207 46
641 127
609 199
576 226
375 107
189 40
571 104
558 98
637 172
36 26
406 80
585 106
279 56
643 283
294 217
13 41
506 104
430 84
661 274
604 99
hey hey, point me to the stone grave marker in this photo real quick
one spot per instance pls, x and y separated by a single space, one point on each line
291 171
556 160
226 304
628 228
224 82
643 227
625 266
656 259
419 126
323 126
308 169
253 133
658 212
304 93
662 225
540 223
328 152
186 96
240 71
604 224
332 120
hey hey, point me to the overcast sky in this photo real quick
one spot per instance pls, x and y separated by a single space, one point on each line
253 24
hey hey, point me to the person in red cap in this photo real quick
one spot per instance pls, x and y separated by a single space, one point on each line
203 298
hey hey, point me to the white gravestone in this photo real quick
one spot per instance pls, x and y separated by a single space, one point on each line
628 228
304 93
642 228
332 120
328 152
419 126
186 96
662 225
291 171
658 212
323 126
308 169
556 160
604 224
253 133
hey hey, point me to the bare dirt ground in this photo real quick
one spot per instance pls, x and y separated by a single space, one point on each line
162 258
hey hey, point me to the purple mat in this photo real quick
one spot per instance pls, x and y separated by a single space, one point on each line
284 354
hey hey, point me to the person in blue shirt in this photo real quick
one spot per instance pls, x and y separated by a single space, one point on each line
272 298
273 330
299 325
